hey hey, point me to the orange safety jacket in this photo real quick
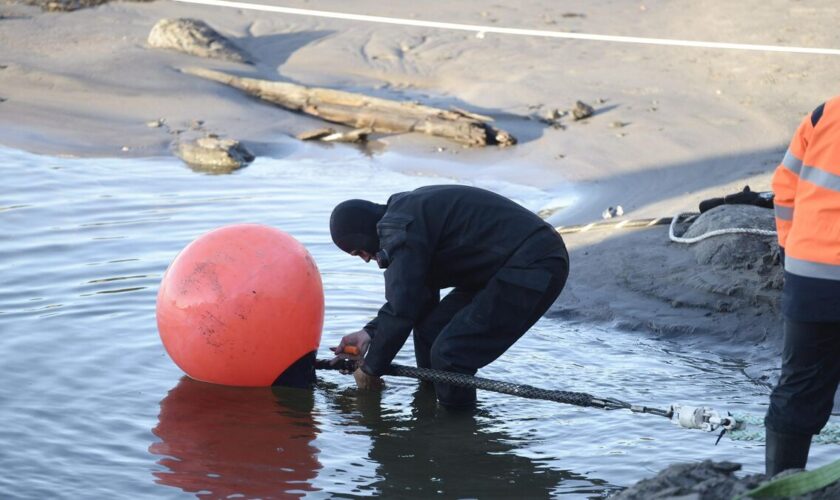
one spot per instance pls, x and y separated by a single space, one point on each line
806 187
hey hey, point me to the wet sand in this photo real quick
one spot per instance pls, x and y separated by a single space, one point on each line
673 126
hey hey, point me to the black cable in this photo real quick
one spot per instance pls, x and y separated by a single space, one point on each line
521 390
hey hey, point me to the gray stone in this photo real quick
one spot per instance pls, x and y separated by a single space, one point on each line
733 250
215 155
195 37
708 480
705 480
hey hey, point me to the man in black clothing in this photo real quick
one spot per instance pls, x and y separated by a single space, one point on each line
506 267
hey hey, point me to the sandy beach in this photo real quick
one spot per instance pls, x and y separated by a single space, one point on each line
672 125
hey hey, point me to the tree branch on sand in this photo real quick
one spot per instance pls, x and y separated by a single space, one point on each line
364 112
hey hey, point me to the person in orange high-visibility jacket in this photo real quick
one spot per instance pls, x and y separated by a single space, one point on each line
806 187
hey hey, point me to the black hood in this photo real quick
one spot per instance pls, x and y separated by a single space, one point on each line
353 225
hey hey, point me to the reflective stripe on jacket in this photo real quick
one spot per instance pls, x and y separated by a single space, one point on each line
806 187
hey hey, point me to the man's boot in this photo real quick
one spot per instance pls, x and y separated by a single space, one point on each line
785 451
455 398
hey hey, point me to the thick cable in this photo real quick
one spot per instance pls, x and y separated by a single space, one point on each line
522 390
752 429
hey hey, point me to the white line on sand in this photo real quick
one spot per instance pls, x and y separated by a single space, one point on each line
511 31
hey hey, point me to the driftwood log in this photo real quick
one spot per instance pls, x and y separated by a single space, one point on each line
365 112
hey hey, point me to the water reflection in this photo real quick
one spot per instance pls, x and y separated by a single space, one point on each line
218 441
435 452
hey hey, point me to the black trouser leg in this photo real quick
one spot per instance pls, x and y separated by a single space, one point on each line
801 402
497 317
427 331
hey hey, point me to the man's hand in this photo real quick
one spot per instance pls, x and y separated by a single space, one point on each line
367 382
352 346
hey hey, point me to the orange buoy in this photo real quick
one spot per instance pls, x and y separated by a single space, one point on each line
240 304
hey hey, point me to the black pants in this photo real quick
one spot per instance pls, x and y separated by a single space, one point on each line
468 329
801 402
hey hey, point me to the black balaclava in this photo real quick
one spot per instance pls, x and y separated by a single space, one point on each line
353 225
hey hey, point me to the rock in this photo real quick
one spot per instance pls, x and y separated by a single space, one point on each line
582 111
358 135
195 37
705 480
758 255
502 138
214 154
552 116
547 212
733 250
318 133
709 480
328 134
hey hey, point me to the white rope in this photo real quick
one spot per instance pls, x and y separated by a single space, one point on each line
717 232
512 31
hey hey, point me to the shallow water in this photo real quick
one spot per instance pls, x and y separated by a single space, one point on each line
92 407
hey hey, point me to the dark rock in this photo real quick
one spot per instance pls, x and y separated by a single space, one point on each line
195 37
705 480
708 480
582 110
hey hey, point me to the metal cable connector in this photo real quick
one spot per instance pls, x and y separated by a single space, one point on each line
705 419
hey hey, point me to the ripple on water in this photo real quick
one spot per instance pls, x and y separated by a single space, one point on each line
92 407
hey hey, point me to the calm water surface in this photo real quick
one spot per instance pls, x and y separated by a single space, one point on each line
92 407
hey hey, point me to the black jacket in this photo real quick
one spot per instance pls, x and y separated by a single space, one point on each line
438 237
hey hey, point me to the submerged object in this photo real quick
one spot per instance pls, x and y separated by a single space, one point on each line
240 305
